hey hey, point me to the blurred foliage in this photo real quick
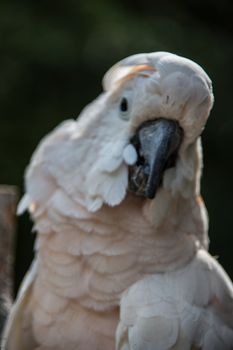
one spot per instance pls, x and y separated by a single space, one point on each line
53 55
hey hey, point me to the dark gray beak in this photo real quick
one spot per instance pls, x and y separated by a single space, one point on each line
157 143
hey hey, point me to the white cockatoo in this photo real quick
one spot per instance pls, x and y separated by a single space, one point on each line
121 258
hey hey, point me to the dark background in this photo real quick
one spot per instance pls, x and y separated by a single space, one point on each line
53 55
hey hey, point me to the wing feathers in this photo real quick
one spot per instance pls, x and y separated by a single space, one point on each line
191 307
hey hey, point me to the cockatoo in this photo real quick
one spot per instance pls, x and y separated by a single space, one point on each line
121 258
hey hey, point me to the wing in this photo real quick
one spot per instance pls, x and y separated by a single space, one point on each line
15 331
190 308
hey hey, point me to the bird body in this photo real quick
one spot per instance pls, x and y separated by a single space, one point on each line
121 252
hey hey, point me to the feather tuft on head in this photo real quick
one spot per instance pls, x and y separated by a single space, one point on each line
119 74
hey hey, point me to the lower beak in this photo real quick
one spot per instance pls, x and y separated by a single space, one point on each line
157 143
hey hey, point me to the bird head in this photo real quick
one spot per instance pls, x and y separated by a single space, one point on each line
138 136
154 108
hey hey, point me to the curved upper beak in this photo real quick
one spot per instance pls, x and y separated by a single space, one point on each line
157 143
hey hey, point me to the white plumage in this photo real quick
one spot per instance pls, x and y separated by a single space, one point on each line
113 269
180 309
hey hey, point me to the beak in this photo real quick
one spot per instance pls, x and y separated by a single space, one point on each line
157 143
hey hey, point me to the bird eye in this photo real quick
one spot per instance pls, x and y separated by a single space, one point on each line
124 105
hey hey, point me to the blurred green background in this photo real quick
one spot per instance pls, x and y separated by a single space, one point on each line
53 55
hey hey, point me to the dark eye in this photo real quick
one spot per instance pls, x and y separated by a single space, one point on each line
124 105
